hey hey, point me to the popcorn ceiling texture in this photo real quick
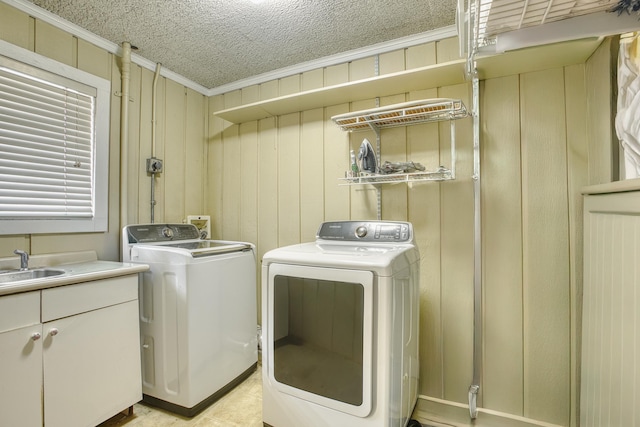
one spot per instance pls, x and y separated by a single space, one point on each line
214 42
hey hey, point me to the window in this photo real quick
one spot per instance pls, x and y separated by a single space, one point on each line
54 122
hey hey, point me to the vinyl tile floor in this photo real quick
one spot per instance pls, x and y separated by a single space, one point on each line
241 407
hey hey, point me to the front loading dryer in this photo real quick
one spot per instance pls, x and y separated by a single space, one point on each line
340 324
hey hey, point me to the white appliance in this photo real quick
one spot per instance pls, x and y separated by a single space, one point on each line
340 325
197 314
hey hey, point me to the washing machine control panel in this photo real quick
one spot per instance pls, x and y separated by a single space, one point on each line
161 232
366 231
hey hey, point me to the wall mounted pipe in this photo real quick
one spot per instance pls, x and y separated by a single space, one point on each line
153 139
124 132
475 398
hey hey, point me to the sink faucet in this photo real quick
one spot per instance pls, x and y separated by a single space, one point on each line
24 259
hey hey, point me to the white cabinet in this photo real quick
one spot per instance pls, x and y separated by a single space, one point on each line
20 360
86 366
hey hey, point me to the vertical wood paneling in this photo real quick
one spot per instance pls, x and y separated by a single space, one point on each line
336 153
231 183
194 153
174 149
456 205
267 186
311 173
145 94
15 26
421 55
546 248
289 179
269 90
392 62
267 193
312 79
94 60
247 174
336 74
250 94
578 177
599 107
54 43
289 85
502 245
134 156
448 50
424 213
215 166
362 69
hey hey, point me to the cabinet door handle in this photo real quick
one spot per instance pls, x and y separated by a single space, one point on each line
53 332
35 336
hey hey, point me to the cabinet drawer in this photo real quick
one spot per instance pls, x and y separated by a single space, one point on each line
74 299
19 310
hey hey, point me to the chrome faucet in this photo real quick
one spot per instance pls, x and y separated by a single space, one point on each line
24 259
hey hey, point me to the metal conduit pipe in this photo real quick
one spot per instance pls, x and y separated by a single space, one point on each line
153 140
475 397
124 131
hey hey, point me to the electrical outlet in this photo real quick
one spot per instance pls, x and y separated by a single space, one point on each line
154 165
203 222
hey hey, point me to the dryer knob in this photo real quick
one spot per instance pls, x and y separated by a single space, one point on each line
361 231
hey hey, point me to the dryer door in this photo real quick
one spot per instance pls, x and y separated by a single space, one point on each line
319 335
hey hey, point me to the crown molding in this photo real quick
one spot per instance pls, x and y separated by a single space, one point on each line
340 58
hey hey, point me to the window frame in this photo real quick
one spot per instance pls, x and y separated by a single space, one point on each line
43 67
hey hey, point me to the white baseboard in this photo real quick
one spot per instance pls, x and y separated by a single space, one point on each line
435 412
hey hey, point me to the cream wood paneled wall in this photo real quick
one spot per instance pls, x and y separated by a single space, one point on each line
180 139
272 181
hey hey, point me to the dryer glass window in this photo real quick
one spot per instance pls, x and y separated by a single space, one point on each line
318 337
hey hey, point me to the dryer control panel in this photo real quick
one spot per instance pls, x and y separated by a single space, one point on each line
366 231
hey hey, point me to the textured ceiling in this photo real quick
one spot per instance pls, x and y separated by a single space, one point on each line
215 42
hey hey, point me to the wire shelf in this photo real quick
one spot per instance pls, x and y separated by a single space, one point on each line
499 16
408 113
442 174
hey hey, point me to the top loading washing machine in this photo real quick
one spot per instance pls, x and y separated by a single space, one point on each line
340 324
198 314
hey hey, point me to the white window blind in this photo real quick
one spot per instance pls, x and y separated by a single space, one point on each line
46 148
54 146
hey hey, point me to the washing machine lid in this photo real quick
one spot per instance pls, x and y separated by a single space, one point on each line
198 248
179 238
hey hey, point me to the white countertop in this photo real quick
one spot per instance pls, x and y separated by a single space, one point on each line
78 267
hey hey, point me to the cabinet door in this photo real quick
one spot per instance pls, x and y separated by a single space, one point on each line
21 377
91 366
